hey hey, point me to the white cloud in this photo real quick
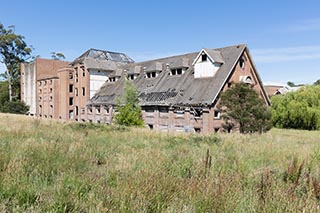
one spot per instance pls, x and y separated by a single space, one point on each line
271 55
305 25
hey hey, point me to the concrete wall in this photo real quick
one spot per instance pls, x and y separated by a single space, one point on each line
28 86
97 79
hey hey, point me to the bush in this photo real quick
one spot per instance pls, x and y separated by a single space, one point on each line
297 110
15 107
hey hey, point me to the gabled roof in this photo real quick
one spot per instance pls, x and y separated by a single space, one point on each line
214 55
183 90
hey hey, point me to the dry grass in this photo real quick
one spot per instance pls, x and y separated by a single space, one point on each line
65 167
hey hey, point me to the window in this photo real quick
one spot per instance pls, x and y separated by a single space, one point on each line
149 111
242 63
151 74
83 110
77 110
77 75
40 90
76 91
39 83
204 57
197 130
89 110
51 97
98 110
70 75
216 129
50 90
163 112
197 113
71 114
45 82
107 110
178 71
83 91
71 88
51 109
71 101
83 71
216 114
50 82
179 112
150 126
131 77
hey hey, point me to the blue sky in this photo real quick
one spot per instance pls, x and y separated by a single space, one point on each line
282 36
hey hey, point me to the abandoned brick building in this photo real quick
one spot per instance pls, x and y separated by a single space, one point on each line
178 93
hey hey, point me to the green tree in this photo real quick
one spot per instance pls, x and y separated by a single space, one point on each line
298 110
241 106
317 82
129 111
13 51
57 56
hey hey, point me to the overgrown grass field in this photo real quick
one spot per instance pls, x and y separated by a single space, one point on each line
69 167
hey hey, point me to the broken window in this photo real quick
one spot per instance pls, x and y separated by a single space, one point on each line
98 110
203 57
71 88
197 113
151 74
178 71
71 101
70 75
216 114
242 63
83 71
71 114
131 77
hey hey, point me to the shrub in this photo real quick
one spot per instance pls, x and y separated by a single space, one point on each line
15 107
298 110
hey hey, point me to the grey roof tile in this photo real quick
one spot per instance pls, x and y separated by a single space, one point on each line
179 89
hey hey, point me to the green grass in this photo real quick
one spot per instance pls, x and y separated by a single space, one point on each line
69 167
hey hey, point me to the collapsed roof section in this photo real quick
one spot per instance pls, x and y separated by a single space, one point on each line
102 60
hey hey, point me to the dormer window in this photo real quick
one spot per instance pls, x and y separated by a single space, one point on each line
204 57
132 77
113 79
152 74
178 71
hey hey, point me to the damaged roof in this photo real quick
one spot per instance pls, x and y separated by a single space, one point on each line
101 59
178 90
